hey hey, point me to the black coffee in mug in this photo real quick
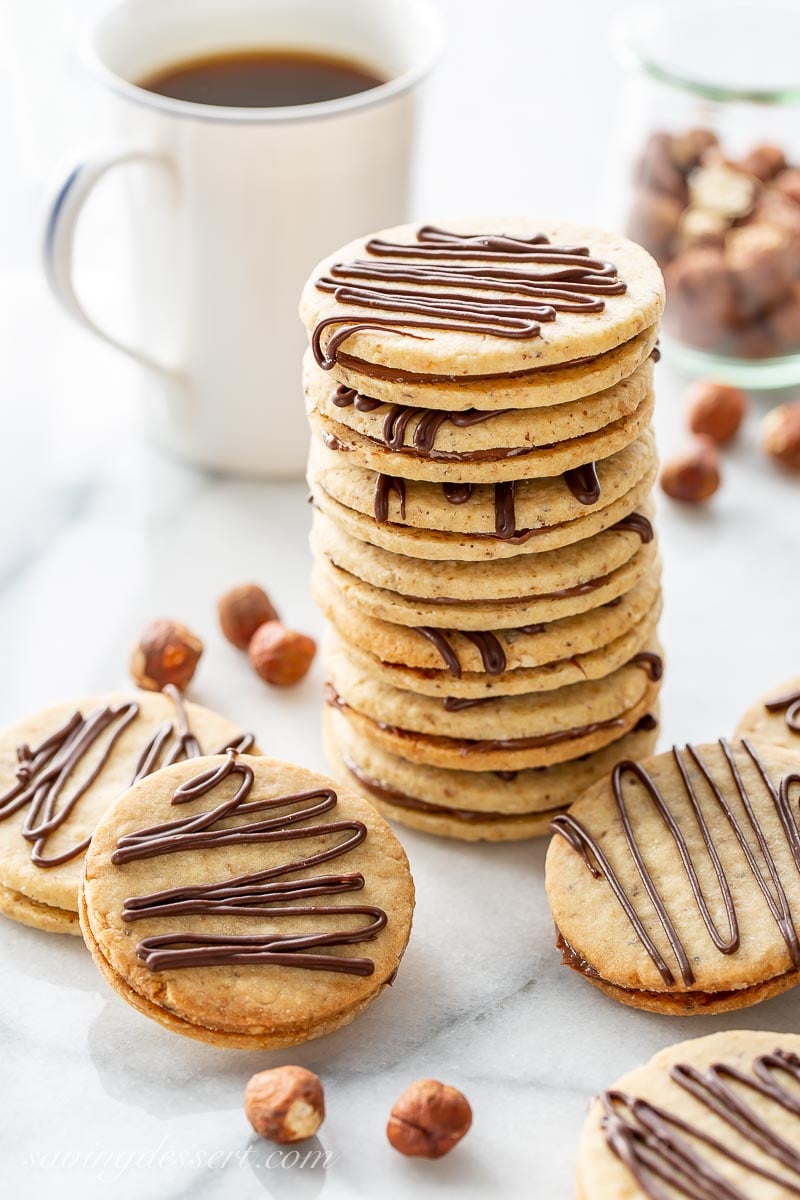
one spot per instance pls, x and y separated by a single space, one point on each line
264 78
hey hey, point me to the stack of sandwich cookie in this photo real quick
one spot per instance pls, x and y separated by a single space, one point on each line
481 470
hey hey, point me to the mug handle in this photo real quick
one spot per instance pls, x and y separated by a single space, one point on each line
59 238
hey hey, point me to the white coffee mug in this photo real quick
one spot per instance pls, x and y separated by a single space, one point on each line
231 207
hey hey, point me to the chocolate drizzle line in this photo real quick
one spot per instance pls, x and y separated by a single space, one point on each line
457 493
44 770
635 523
491 651
384 485
583 482
518 301
790 706
253 895
652 1141
505 519
652 663
599 866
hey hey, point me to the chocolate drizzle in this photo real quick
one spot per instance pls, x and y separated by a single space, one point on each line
45 770
635 523
595 860
584 483
344 397
518 300
789 705
505 518
457 493
652 663
491 651
384 486
398 417
652 1141
459 703
260 894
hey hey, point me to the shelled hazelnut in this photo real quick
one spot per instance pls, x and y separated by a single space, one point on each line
428 1119
279 655
692 477
780 436
241 610
285 1104
167 652
716 411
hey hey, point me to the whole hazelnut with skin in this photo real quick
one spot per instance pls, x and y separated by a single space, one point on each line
716 410
285 1104
780 436
242 610
167 652
764 161
692 477
279 655
428 1119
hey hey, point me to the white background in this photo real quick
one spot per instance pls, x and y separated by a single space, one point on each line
97 535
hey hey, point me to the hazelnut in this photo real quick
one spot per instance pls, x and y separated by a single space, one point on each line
693 476
701 305
762 264
698 227
722 189
716 410
689 148
780 435
280 655
764 161
653 222
285 1104
783 323
428 1119
657 171
241 610
167 652
788 183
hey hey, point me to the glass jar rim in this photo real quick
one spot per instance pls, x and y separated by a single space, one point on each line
638 37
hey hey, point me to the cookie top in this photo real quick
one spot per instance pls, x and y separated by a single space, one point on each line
61 769
681 874
246 900
711 1117
775 718
485 297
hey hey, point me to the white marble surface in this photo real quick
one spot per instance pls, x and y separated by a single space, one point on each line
97 535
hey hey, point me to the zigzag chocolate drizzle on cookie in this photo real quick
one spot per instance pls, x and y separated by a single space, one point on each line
44 770
260 894
660 1147
774 893
789 705
520 299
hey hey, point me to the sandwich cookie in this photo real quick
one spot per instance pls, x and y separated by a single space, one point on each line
503 661
714 1118
479 299
675 884
472 805
469 522
246 902
503 733
60 771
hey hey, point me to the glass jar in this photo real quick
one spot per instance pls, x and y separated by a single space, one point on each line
712 184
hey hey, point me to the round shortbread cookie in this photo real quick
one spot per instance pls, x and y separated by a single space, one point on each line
713 1116
503 733
555 571
61 769
470 805
246 902
775 718
537 464
482 615
452 545
614 291
663 886
446 662
541 387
